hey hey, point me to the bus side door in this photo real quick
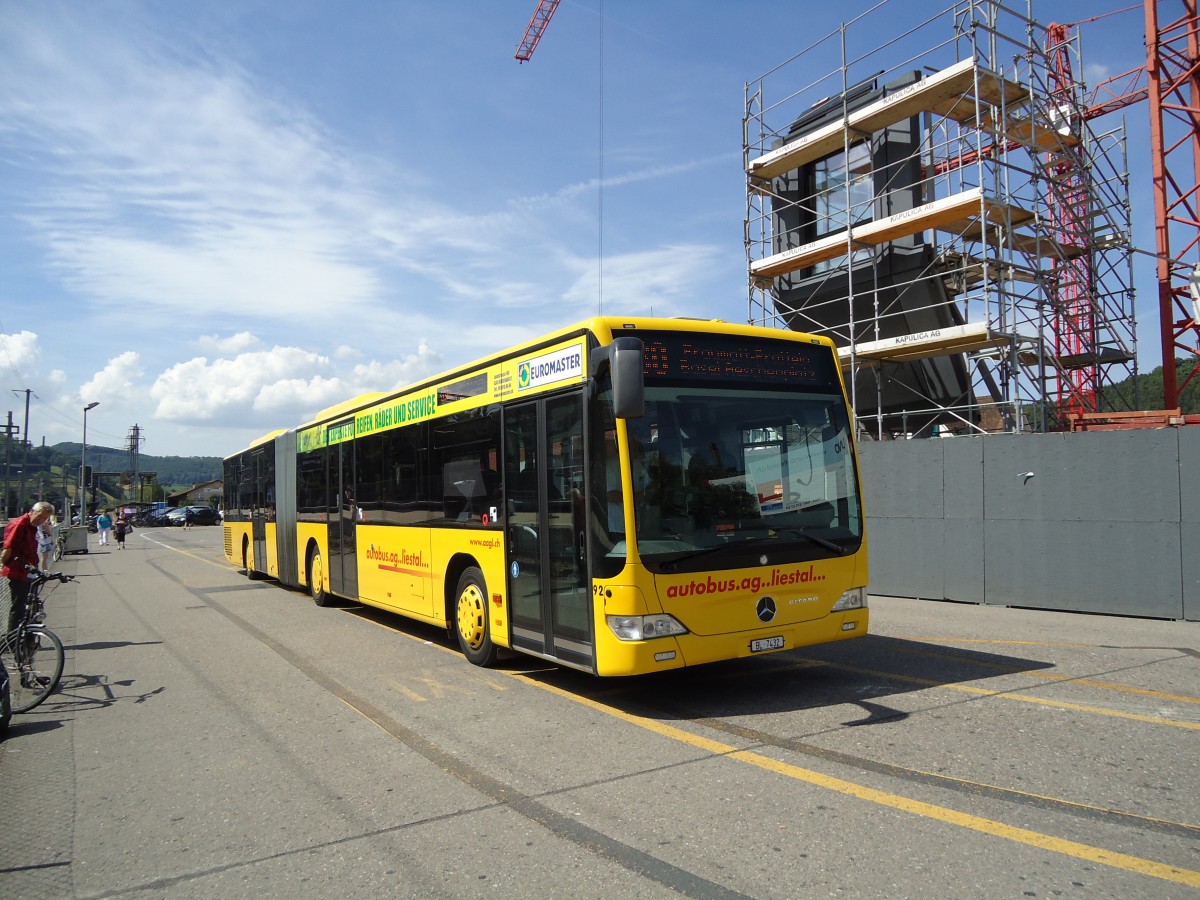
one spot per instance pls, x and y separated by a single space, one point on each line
343 520
262 469
549 596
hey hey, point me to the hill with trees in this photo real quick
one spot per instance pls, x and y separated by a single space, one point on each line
173 472
53 471
1146 391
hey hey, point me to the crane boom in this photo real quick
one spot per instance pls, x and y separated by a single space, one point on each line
537 27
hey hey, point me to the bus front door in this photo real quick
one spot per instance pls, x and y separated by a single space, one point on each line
343 521
549 595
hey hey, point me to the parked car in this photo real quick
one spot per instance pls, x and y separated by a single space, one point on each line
151 518
206 515
201 515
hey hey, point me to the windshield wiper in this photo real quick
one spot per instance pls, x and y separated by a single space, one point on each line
704 551
764 539
816 539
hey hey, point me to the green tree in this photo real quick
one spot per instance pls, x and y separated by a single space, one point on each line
1148 388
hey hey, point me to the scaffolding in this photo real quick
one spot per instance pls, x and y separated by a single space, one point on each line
942 208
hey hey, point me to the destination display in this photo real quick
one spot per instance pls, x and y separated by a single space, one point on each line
722 357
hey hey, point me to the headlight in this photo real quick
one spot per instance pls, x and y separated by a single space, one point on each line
855 598
643 628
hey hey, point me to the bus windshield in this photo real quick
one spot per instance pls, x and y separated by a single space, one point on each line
744 449
735 467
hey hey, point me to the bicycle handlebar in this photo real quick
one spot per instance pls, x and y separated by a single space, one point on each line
37 575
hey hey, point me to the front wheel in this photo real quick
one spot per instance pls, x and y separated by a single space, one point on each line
471 617
316 580
34 658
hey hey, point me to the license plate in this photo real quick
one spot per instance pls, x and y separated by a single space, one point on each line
771 643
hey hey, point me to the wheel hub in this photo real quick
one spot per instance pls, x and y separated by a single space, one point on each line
471 610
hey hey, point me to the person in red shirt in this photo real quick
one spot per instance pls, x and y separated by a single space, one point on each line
21 551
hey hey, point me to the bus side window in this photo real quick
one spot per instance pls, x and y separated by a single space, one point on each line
369 471
464 456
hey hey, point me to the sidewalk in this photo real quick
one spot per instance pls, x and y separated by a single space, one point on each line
37 770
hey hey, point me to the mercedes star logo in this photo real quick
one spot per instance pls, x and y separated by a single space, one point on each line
766 609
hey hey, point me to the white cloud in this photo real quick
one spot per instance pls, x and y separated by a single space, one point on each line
169 186
282 386
235 343
235 269
198 391
1094 73
652 173
177 184
175 181
299 394
669 281
19 350
385 376
116 379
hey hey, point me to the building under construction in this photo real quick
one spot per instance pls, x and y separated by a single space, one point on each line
942 205
951 207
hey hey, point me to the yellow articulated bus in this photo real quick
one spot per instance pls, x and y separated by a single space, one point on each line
622 496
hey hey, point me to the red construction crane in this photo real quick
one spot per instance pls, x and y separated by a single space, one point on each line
1173 74
537 27
1170 80
1068 216
1172 85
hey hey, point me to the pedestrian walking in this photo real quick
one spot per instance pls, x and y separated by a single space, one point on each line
120 528
104 525
188 516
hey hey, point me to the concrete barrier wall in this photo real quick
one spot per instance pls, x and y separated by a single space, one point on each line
1108 522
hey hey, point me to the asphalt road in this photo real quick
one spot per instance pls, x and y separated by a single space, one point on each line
217 737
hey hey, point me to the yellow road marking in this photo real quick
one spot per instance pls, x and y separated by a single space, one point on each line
991 827
1113 686
954 640
1038 674
1041 675
1012 695
222 563
1127 862
407 692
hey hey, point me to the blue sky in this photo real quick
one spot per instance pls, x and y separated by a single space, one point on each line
217 218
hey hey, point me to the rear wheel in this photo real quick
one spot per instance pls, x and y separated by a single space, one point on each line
34 660
248 562
471 618
316 579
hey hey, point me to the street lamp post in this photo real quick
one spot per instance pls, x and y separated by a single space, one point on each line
83 466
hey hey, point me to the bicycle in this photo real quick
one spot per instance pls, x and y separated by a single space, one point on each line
60 541
32 653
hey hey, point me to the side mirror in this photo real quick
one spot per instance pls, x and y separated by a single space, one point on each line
629 385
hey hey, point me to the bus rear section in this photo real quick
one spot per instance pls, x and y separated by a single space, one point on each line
260 514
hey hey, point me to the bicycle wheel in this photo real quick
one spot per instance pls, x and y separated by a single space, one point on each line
34 657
